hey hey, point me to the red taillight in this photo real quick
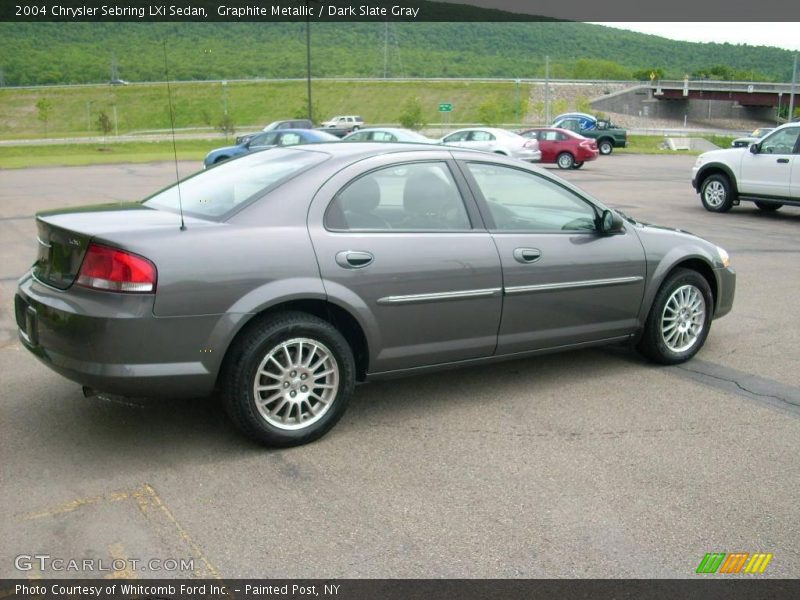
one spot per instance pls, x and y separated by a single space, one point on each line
531 144
587 144
114 270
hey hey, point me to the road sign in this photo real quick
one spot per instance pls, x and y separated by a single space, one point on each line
445 107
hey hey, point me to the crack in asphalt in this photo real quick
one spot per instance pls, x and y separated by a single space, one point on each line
740 386
773 393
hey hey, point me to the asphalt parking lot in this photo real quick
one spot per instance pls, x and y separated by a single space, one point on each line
588 464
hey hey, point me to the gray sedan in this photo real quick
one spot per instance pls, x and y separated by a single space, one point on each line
282 278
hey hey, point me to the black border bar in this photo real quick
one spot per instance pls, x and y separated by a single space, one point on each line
699 588
395 10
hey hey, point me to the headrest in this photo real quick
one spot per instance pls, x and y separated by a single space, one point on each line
426 194
362 196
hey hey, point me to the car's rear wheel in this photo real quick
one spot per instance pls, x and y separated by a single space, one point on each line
769 206
716 193
577 165
565 160
288 379
605 147
679 320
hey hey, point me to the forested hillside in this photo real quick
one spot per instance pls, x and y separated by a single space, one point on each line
50 53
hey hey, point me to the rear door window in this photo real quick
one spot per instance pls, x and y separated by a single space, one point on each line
409 197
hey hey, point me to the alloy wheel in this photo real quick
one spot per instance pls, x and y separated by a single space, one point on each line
683 318
296 383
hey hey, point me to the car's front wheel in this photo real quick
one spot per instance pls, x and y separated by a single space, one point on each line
716 193
768 206
288 379
679 319
565 160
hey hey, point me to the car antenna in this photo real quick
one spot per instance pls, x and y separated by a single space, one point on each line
172 125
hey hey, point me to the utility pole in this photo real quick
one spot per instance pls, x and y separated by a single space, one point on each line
308 62
791 95
547 90
385 48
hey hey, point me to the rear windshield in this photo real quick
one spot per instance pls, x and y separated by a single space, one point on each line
226 188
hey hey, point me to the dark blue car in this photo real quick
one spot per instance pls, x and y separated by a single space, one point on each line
268 139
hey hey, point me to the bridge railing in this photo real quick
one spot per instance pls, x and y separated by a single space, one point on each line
723 86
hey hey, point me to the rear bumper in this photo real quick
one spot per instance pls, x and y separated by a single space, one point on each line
529 155
113 342
726 290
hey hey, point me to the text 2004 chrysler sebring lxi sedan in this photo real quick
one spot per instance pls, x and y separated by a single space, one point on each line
303 270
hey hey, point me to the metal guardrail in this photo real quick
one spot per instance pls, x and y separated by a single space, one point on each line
752 87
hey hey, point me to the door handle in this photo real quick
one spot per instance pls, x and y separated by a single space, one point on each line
354 259
783 160
527 255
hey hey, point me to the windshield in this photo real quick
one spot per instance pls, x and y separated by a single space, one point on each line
225 188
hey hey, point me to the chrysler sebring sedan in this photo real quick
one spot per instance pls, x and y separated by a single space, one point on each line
282 278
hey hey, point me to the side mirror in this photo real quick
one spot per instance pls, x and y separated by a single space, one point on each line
611 223
755 148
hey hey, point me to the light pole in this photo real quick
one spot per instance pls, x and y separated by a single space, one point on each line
308 62
225 120
791 95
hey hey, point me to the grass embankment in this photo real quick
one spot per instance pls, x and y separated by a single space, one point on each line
15 157
653 144
75 111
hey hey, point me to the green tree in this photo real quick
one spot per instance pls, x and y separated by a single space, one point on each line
104 124
44 108
411 117
489 113
226 126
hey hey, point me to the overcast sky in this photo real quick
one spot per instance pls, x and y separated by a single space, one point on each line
781 35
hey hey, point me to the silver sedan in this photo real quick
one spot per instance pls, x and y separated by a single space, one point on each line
492 139
387 134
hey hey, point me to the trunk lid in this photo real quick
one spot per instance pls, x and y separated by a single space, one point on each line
64 235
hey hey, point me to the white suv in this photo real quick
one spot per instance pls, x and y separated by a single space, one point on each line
767 173
352 122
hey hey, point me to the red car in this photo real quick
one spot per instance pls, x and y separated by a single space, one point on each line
564 147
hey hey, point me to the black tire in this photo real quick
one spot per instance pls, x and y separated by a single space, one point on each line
221 159
768 206
716 193
241 373
605 146
565 160
356 128
577 165
653 343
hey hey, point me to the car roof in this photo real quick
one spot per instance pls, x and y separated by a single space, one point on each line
568 132
490 129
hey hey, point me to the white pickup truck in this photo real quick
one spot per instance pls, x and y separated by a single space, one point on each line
767 173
